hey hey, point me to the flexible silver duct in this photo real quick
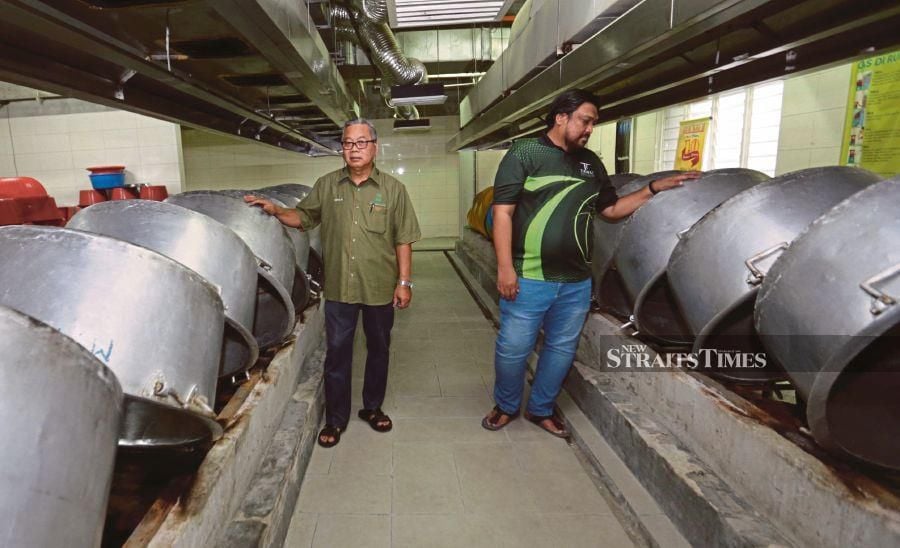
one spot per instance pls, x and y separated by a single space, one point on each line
373 32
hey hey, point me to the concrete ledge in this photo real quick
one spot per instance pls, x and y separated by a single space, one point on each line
708 457
477 254
200 517
265 515
703 506
811 497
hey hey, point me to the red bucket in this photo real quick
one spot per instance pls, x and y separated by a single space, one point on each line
156 193
90 197
122 193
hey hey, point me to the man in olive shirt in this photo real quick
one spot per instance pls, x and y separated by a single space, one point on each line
545 194
368 227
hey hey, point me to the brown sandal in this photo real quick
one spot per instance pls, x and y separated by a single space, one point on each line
492 420
558 423
330 431
376 419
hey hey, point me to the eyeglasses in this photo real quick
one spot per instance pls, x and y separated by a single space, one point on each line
360 144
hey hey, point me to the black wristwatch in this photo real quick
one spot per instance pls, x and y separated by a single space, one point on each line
652 191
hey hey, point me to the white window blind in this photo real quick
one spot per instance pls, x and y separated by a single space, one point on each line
743 132
765 123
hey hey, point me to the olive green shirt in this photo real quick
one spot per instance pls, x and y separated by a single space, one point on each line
361 229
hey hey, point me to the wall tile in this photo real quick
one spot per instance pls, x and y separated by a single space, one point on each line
120 138
87 140
792 160
828 127
430 174
56 149
825 156
796 131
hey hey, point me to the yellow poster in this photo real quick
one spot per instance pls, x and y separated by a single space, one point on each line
691 143
872 129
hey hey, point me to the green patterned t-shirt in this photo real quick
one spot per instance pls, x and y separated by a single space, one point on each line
556 194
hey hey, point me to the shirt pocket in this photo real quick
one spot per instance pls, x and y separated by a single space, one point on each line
376 219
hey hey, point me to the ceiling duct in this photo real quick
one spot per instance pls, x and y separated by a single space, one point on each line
666 52
222 65
365 23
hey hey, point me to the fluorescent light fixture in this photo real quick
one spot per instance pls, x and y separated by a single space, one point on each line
418 94
411 13
421 124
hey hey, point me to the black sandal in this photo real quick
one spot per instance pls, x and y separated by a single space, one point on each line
557 421
492 422
375 418
330 431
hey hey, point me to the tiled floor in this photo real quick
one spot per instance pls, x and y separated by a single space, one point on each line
438 479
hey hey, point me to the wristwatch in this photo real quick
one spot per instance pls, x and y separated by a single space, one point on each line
406 283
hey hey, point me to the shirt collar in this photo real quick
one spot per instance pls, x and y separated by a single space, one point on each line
375 176
545 140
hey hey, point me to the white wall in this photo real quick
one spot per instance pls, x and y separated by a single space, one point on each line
645 143
603 142
419 159
467 180
486 164
55 149
812 119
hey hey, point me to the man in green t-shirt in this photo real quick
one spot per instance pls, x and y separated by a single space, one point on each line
546 192
368 228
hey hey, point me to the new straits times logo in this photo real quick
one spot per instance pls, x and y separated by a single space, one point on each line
639 356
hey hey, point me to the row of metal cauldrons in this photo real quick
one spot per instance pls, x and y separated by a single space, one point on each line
117 329
802 269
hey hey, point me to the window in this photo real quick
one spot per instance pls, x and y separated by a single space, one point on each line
743 131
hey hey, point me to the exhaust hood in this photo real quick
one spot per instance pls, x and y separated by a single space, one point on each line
255 69
664 52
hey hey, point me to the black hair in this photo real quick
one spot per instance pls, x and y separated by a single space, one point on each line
568 102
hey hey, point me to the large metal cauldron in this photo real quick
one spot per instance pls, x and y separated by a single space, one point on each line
61 411
716 268
299 192
609 290
300 292
157 324
264 235
829 311
298 237
202 244
648 239
291 195
619 180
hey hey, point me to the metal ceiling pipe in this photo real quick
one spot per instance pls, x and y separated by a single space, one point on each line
650 236
368 21
61 409
154 322
829 312
609 291
717 267
199 242
265 236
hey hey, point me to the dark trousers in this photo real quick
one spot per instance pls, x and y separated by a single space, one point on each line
340 327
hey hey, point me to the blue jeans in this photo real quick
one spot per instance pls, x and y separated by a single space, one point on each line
562 309
340 327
